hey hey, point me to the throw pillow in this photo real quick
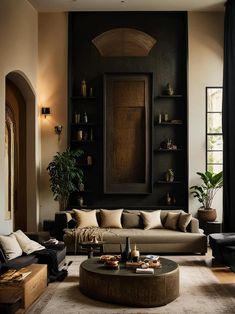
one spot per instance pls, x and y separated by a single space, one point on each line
10 246
27 245
111 218
152 220
172 221
86 219
130 220
184 221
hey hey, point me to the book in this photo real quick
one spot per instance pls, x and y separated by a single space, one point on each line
145 271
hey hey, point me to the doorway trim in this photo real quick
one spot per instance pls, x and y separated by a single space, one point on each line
32 155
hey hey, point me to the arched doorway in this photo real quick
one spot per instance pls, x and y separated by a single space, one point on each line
15 156
29 154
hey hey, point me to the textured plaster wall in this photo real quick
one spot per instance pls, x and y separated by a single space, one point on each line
18 52
205 68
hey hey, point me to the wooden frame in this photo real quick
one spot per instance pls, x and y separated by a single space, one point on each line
127 133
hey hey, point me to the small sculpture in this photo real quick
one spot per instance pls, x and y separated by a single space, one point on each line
169 89
83 88
169 175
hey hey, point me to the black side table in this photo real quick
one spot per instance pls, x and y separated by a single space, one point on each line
211 227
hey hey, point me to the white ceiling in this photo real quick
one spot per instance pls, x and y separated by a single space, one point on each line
127 5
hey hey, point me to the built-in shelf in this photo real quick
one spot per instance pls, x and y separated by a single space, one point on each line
83 98
170 206
167 182
84 165
167 150
167 123
83 124
83 141
169 96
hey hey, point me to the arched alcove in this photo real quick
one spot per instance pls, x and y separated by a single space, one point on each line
22 83
124 42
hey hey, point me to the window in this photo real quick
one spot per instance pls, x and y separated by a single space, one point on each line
214 138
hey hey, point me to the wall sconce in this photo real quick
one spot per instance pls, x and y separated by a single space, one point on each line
58 130
45 111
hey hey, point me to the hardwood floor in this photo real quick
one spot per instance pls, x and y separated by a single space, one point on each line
223 273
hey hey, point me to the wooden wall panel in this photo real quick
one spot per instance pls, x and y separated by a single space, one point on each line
128 105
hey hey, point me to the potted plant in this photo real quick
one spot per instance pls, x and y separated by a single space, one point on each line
205 193
65 175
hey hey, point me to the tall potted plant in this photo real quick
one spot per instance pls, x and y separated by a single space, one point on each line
65 175
205 193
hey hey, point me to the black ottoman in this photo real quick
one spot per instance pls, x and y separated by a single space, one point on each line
229 257
223 248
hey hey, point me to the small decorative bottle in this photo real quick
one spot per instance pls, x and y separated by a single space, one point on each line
84 118
126 254
168 199
83 88
135 254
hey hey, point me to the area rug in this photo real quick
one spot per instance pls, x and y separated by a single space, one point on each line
200 292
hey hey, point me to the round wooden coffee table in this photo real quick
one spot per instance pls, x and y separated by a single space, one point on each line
124 286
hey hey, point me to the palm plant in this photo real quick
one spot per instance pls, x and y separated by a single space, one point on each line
65 175
206 191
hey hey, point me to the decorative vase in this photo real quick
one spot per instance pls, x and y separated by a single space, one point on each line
126 254
135 254
206 214
169 89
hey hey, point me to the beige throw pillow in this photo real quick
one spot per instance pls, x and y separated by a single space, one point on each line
10 246
152 220
184 221
111 218
27 245
172 221
86 219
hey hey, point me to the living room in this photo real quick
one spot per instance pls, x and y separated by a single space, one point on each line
44 54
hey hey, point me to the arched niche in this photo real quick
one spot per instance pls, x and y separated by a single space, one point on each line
124 42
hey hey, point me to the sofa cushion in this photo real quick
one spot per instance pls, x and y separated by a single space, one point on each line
28 246
172 221
111 218
86 219
10 246
152 220
131 220
22 261
184 221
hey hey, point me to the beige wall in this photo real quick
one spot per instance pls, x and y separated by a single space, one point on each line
18 52
205 68
52 92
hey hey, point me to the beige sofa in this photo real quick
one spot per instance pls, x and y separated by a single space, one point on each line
148 241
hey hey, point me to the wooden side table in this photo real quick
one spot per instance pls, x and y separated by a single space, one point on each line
30 288
92 246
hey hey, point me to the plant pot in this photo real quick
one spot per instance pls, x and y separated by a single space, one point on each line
208 214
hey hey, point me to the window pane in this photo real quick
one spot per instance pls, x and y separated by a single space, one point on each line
214 142
214 122
214 99
215 168
215 157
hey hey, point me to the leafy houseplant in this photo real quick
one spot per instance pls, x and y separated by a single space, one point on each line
65 175
205 193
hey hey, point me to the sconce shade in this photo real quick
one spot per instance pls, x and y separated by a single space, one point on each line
45 110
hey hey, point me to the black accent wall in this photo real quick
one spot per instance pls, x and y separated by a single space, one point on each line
167 62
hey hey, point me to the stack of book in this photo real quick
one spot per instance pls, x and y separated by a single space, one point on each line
13 275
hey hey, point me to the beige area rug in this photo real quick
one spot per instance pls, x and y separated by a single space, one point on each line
200 292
